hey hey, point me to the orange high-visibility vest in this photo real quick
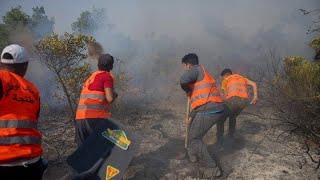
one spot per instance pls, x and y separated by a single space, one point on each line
236 85
19 106
92 104
204 91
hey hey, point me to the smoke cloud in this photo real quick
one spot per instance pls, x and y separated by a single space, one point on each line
152 36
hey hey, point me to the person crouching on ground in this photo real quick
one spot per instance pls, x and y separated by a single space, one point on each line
95 99
235 94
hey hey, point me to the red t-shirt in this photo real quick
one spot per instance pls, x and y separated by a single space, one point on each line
102 81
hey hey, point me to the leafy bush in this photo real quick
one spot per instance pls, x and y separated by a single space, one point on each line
63 56
293 93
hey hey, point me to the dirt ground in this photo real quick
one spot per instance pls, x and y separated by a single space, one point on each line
255 154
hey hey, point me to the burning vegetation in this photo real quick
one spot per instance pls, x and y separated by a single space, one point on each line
290 96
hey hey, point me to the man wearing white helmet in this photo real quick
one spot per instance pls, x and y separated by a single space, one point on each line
20 140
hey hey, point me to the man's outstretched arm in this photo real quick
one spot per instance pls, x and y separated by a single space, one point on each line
111 95
255 91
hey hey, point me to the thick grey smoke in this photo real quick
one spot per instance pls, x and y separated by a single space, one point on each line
152 36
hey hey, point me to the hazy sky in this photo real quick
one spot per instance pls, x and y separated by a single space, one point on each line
136 17
219 24
224 33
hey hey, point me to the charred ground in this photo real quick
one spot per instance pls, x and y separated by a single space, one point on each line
257 153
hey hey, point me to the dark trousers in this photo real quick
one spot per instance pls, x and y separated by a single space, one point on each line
234 107
30 172
200 125
84 128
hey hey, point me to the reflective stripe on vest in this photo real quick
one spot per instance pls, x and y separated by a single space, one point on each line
202 86
20 140
236 86
204 91
95 96
205 96
19 106
93 106
236 89
18 124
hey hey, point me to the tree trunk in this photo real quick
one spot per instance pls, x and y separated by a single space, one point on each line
65 90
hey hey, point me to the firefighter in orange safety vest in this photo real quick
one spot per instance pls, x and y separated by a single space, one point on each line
235 94
20 140
95 99
207 110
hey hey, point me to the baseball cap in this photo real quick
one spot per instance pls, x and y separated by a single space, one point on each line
19 54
